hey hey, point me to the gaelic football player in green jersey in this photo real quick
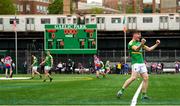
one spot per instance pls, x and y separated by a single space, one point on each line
35 66
135 48
48 65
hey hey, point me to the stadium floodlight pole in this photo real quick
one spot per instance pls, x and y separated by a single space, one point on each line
15 31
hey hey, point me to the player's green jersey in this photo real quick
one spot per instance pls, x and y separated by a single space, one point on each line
102 65
35 61
48 61
136 56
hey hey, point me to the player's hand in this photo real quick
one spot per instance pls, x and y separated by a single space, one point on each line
143 41
158 42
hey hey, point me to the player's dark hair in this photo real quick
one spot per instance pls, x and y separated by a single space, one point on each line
135 32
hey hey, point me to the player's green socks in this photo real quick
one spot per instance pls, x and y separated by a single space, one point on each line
144 96
120 92
40 76
122 89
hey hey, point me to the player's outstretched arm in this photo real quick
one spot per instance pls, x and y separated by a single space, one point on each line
52 62
152 47
137 48
42 62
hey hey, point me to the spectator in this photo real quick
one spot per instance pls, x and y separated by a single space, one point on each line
148 67
69 66
153 67
25 66
2 64
73 67
177 66
159 68
59 67
162 65
118 68
114 68
81 68
91 69
126 68
64 69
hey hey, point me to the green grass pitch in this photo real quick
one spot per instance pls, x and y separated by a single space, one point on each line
87 90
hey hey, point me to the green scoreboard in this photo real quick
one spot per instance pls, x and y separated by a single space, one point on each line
71 39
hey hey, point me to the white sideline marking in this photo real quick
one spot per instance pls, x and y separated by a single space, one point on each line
135 97
15 78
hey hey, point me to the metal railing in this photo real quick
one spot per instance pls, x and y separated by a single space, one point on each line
24 57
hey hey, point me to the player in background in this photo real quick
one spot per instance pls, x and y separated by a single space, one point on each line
107 67
8 66
102 69
35 67
48 65
98 66
136 47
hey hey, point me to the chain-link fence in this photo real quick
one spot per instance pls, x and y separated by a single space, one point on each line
24 57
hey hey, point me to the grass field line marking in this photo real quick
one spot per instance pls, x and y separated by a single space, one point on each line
15 78
135 97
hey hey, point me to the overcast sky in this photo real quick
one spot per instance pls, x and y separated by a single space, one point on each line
100 1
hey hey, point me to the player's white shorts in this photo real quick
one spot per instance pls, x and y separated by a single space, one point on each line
34 68
101 70
47 68
139 67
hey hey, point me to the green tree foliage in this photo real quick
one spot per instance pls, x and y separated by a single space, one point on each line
96 10
56 7
129 9
7 7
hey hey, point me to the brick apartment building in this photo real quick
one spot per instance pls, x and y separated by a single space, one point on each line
178 6
32 6
168 6
111 4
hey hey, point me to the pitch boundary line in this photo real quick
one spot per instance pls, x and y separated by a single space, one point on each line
16 78
135 97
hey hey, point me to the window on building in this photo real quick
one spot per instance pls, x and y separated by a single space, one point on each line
21 8
131 20
37 8
163 19
115 20
87 20
41 8
30 21
147 20
100 20
45 21
46 1
177 19
74 21
28 7
1 20
61 20
11 21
